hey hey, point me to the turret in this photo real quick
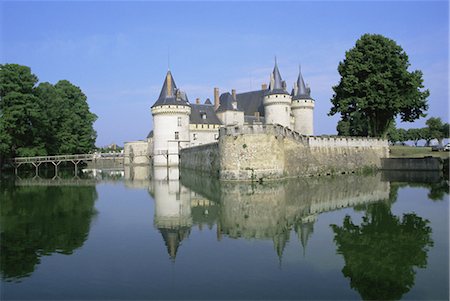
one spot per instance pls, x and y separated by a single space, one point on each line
277 101
170 123
302 107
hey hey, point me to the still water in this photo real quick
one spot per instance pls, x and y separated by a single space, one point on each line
145 234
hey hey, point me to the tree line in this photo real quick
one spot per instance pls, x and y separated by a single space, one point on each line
42 119
435 129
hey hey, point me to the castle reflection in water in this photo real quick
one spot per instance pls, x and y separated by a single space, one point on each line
268 211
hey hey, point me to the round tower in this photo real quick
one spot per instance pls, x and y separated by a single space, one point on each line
277 101
302 107
170 124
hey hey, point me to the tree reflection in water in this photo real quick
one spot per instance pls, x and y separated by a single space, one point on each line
37 221
381 254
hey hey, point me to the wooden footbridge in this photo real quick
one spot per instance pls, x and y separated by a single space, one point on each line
56 160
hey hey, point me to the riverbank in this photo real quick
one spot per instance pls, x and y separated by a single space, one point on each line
399 151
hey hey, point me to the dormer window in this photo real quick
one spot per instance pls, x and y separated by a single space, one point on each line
203 115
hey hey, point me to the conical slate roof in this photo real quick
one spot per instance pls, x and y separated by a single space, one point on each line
276 82
302 91
172 238
170 94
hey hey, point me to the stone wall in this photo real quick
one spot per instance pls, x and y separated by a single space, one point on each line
137 152
264 152
202 158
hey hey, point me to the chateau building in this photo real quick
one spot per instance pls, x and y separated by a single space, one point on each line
179 124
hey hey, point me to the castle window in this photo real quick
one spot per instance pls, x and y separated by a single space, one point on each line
179 121
194 136
216 136
203 115
177 135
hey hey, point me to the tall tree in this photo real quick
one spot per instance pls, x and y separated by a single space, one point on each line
76 133
414 135
436 129
376 86
48 119
19 113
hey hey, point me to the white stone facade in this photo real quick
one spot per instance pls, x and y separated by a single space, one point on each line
203 134
170 133
303 111
231 117
277 108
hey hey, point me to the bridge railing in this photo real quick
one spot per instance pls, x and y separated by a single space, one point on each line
77 157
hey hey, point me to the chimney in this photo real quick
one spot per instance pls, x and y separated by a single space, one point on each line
257 116
264 87
233 93
216 99
197 100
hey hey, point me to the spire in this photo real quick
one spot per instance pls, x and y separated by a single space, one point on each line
172 238
302 92
170 94
276 82
304 231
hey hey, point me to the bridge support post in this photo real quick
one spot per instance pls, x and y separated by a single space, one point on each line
36 165
16 169
56 168
75 163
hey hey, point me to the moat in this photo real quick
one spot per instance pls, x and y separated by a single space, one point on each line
165 234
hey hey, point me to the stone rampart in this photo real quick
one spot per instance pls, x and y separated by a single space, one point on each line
203 158
264 152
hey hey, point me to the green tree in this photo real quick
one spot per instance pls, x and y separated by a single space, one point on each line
353 125
446 130
436 129
376 86
414 135
47 119
381 254
19 113
76 133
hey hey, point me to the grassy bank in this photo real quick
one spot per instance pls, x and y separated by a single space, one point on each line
415 152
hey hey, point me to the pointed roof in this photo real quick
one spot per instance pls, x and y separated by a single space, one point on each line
170 94
276 82
172 238
304 231
302 91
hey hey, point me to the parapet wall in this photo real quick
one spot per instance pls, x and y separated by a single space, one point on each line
262 152
203 158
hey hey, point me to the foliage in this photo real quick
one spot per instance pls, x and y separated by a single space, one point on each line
415 135
19 112
43 120
381 253
37 221
376 86
397 135
436 129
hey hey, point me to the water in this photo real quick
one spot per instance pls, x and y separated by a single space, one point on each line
148 235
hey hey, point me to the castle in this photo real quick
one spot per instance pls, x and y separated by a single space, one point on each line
179 124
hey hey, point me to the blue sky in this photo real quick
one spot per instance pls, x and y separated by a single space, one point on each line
117 52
